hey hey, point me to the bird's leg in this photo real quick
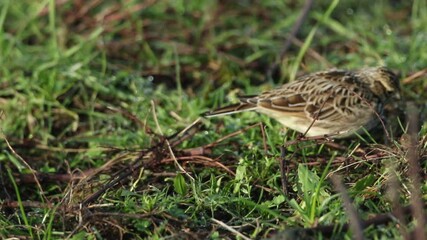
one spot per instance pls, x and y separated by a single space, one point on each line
300 136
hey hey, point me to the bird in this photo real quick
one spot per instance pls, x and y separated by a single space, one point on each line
335 103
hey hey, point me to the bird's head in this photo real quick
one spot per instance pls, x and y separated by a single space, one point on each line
382 81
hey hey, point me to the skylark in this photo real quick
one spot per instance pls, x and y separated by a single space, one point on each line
336 103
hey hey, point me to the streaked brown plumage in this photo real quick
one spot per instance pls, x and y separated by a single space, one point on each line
332 102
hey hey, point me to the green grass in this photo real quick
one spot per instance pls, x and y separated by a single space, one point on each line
77 88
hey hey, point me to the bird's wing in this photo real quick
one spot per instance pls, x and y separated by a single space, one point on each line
320 96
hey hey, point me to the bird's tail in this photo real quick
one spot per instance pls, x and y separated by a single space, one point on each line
230 109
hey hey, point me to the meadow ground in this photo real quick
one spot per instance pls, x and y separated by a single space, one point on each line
98 101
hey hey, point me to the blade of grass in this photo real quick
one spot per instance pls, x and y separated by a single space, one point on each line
260 208
49 227
317 192
178 77
52 28
3 14
309 39
21 206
